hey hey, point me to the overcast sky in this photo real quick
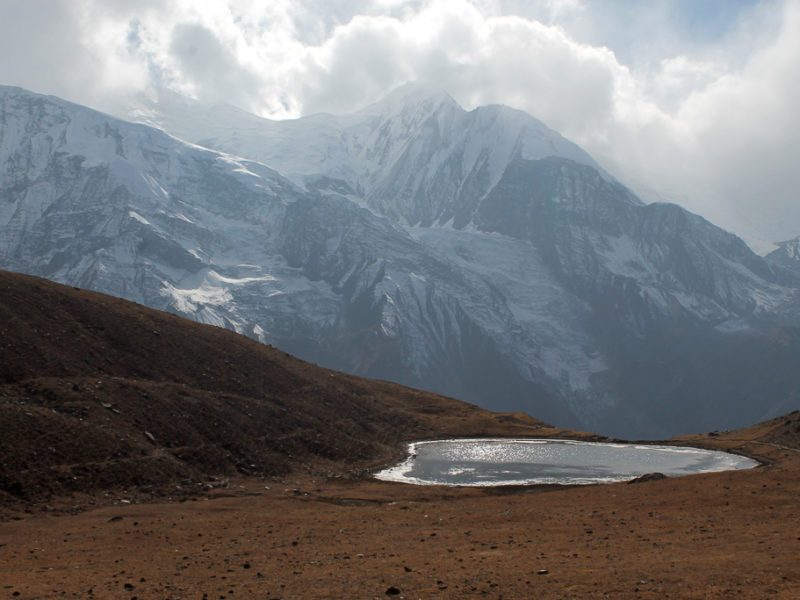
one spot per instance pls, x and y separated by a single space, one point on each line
690 101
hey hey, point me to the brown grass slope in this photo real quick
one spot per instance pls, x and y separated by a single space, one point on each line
99 393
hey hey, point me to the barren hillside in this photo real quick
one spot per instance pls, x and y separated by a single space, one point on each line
99 393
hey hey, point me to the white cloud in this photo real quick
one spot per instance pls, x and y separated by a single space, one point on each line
746 137
44 48
683 101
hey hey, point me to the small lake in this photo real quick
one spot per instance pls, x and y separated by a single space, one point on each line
486 462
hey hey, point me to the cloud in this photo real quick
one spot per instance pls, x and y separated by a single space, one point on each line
357 64
42 43
479 60
745 137
209 69
683 100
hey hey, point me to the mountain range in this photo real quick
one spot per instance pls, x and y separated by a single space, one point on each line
477 254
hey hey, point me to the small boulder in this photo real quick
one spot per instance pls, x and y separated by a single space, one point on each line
648 477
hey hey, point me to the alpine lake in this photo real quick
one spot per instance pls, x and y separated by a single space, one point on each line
494 462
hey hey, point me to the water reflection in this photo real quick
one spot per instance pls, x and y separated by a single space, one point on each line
485 462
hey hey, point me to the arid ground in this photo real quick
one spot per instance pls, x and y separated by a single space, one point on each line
723 535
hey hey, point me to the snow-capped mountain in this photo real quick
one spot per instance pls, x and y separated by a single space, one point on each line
420 160
477 254
416 156
126 209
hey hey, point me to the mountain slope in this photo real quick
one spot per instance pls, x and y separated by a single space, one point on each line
531 281
97 392
230 242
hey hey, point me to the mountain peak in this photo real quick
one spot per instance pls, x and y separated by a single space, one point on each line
412 94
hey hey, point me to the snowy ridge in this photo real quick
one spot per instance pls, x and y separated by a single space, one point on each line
415 156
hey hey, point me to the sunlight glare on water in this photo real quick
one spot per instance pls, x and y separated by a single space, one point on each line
483 462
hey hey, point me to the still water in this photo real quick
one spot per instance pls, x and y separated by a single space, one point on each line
484 462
